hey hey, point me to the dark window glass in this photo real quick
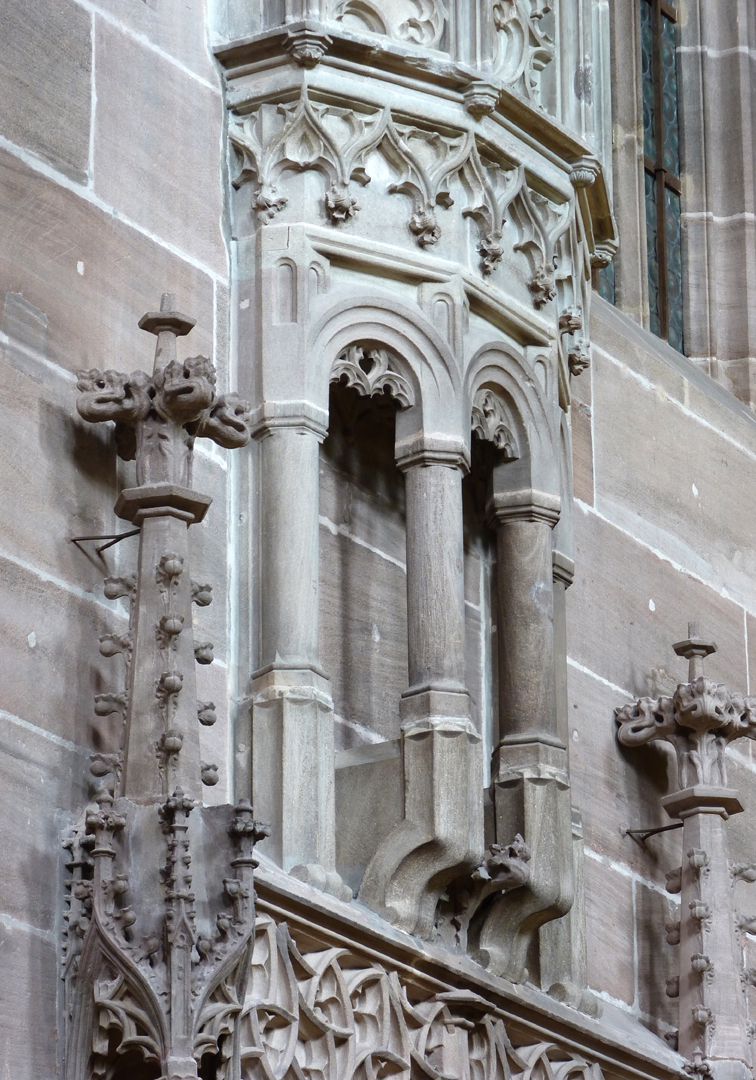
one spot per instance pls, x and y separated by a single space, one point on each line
606 283
661 144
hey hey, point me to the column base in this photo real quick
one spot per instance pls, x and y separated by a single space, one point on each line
532 798
293 773
440 836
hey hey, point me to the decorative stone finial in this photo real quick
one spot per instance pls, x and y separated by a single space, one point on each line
699 720
157 419
144 975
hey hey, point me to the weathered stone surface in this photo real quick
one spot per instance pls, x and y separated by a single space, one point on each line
180 30
28 993
366 776
58 473
374 515
674 486
720 315
657 959
210 553
92 277
609 915
614 788
582 452
615 335
629 639
363 633
46 81
150 162
38 779
48 651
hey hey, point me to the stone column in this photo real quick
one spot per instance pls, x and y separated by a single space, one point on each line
441 834
435 581
530 776
713 1020
525 620
292 710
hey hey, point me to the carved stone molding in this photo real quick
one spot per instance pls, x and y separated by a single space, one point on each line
314 1004
336 142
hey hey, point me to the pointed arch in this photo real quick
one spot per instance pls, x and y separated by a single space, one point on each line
423 359
532 418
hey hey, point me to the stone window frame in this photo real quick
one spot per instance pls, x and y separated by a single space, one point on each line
665 181
629 166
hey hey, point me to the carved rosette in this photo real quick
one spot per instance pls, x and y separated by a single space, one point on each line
699 721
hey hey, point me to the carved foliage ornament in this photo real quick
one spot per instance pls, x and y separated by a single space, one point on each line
699 721
159 416
337 143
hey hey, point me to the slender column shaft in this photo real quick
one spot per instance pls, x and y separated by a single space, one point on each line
289 482
162 740
713 1019
292 713
525 628
435 578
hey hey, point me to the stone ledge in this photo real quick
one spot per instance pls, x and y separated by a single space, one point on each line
616 1041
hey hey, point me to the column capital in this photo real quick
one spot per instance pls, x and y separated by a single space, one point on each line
424 449
167 500
301 416
525 505
703 799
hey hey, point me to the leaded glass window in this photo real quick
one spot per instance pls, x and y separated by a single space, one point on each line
661 147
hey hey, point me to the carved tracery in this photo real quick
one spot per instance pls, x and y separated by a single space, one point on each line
314 1006
490 422
370 371
337 142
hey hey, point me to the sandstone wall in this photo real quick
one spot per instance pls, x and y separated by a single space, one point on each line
110 193
111 161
